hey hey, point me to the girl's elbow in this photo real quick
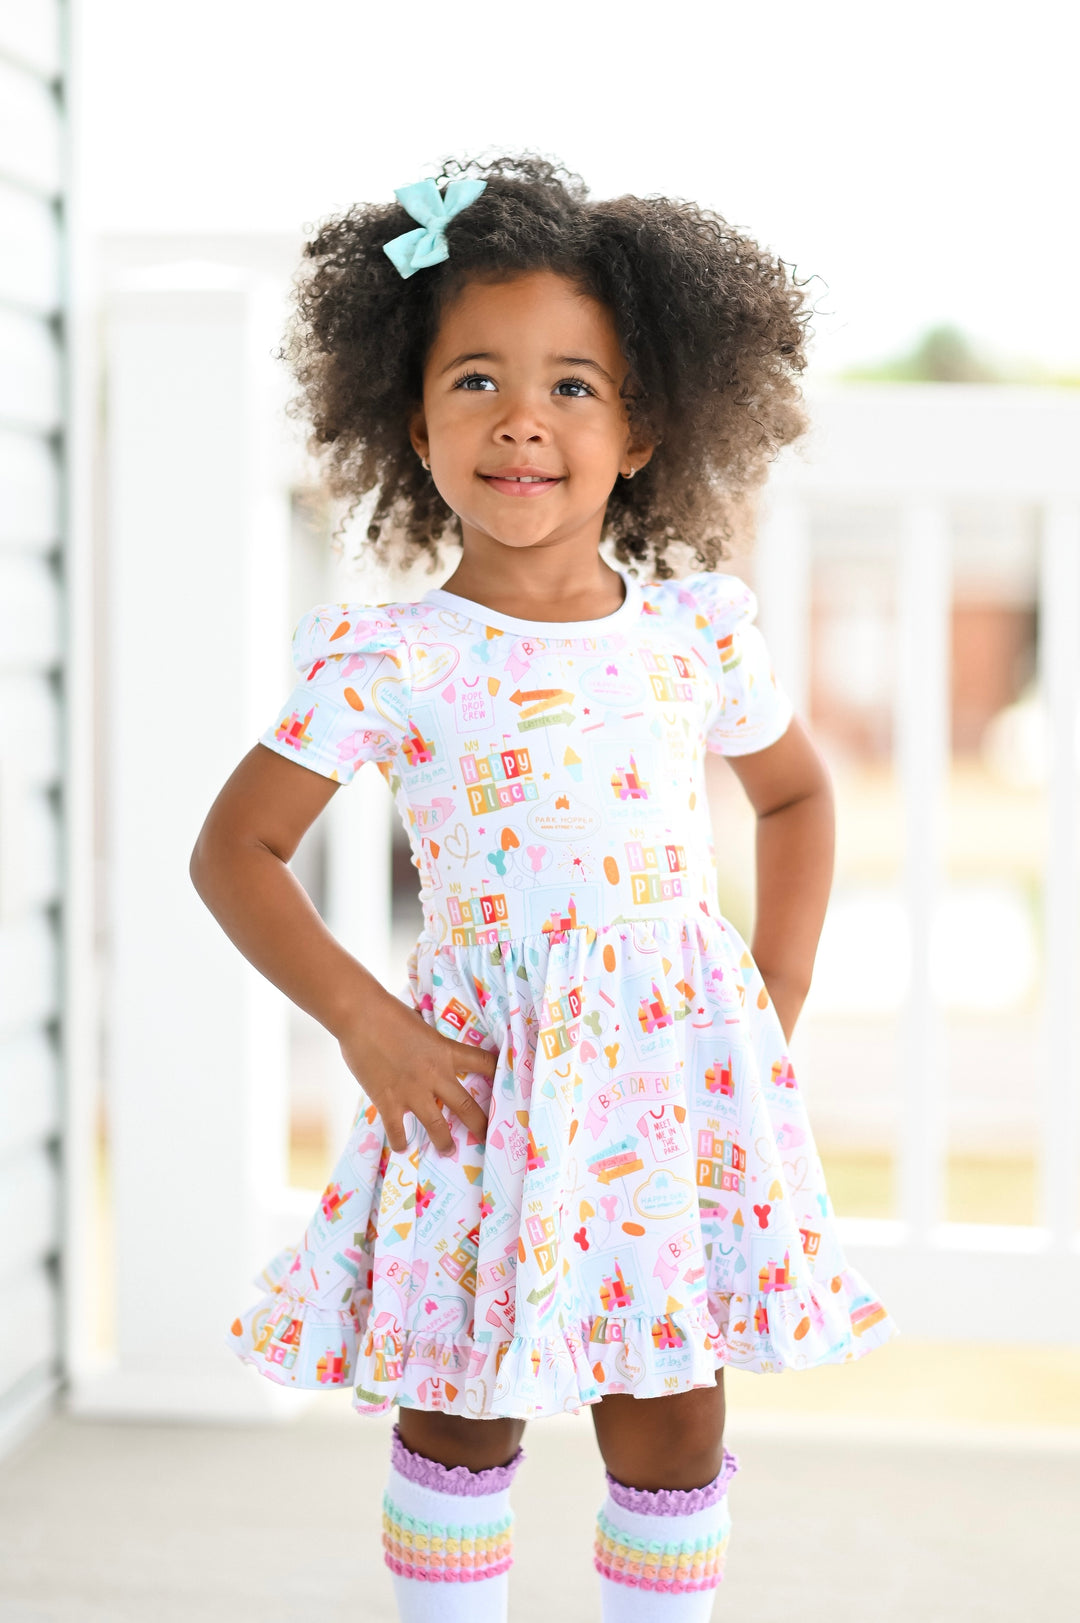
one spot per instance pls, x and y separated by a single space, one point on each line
196 869
201 862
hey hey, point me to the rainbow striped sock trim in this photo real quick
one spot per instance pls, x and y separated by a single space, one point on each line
671 1565
444 1552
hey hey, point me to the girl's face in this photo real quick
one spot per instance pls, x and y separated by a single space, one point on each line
522 419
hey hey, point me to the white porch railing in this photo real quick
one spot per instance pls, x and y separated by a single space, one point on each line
922 449
196 646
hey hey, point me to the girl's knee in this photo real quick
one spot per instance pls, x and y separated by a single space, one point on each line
454 1440
669 1442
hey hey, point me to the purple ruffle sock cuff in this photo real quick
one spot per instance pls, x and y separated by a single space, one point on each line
451 1478
674 1501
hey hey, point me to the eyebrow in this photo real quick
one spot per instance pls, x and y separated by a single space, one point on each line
559 360
583 360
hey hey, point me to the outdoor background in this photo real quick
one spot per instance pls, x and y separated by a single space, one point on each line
169 1122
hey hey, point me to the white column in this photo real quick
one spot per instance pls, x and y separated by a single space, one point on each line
783 584
922 749
195 1038
1059 639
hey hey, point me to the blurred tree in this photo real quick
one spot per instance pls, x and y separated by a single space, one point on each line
942 355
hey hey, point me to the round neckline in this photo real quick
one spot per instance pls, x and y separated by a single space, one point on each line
628 610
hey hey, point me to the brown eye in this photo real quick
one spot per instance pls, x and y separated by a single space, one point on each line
574 383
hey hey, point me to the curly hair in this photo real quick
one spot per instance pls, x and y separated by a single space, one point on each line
712 327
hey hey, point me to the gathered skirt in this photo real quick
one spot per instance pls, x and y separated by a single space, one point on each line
648 1205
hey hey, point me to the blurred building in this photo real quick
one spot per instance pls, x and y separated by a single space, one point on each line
992 632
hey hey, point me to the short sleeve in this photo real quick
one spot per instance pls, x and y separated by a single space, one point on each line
351 699
752 709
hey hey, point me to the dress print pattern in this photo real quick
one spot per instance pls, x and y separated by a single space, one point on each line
649 1202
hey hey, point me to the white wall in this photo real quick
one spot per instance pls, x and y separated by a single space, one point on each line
36 668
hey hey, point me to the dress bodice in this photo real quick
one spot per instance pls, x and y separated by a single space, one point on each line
549 775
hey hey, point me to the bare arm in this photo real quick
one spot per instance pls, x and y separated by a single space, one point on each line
789 788
240 868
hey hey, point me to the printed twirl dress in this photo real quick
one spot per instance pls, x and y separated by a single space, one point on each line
649 1202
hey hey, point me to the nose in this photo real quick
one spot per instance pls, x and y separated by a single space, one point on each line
521 422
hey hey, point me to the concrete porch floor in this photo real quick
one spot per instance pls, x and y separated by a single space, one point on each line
833 1523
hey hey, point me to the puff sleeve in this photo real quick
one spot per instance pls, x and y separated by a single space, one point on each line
752 709
351 699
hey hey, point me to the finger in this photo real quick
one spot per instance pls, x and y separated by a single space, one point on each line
396 1137
465 1108
481 1060
438 1130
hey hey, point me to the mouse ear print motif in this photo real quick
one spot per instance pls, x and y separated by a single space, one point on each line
416 250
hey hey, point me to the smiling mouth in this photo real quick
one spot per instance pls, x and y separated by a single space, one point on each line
521 484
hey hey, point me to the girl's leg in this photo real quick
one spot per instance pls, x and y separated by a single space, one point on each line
452 1440
447 1523
662 1532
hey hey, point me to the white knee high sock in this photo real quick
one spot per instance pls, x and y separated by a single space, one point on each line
661 1555
447 1538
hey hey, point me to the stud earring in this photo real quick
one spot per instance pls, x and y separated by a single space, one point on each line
425 464
632 472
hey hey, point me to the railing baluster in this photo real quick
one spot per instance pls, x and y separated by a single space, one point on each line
783 584
782 580
922 746
1059 639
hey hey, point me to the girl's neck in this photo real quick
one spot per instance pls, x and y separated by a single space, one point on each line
540 584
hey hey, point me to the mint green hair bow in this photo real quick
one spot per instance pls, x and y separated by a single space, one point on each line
415 250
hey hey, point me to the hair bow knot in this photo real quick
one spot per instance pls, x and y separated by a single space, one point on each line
415 250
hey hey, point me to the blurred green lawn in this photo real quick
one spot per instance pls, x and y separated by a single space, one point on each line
978 1189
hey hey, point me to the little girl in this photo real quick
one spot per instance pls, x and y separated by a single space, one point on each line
581 1170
